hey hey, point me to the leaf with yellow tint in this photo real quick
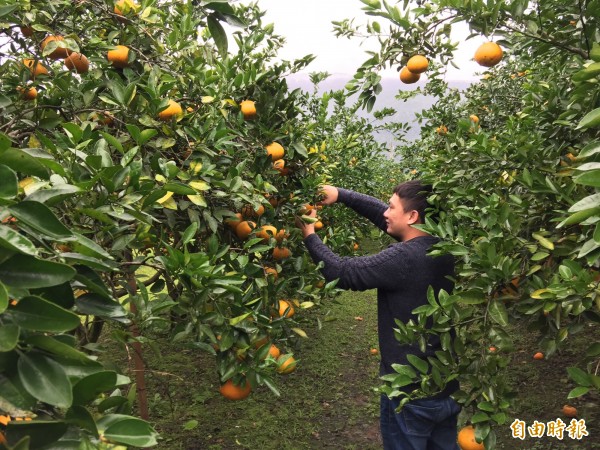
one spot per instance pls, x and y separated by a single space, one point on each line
197 200
199 185
165 197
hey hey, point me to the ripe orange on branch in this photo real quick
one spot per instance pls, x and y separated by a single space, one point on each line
173 110
266 232
286 364
275 151
488 54
77 62
408 77
35 67
59 52
27 93
286 309
474 118
233 391
119 56
417 64
244 229
248 109
280 253
125 7
466 439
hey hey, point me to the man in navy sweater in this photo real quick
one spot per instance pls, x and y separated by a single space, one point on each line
401 273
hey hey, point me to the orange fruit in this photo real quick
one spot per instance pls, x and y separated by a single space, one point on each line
417 64
280 253
306 208
266 232
318 225
279 165
260 341
274 352
474 118
59 52
119 56
173 110
105 117
374 351
466 439
248 109
488 54
233 391
355 246
538 355
233 223
286 309
249 211
27 31
244 229
35 67
123 8
28 93
407 77
271 271
281 235
441 130
569 411
493 349
78 62
286 364
275 151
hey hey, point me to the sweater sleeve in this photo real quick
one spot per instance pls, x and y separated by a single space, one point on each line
384 270
365 205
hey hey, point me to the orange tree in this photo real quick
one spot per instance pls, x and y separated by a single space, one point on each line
136 190
516 188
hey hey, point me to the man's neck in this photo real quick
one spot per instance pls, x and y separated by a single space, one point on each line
413 233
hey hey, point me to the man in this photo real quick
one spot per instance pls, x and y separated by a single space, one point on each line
401 274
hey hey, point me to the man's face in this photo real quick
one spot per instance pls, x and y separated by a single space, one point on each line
397 219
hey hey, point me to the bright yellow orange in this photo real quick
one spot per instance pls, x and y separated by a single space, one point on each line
281 235
119 57
60 52
466 439
77 62
488 54
275 151
173 110
233 391
266 232
280 253
474 118
441 130
248 109
318 225
35 67
417 64
244 229
407 77
29 93
286 364
124 8
286 309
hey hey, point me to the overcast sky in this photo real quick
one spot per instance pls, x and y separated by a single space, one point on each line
307 27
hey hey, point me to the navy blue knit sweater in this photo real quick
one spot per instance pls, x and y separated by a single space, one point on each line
401 274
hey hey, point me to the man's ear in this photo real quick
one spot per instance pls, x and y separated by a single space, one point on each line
414 217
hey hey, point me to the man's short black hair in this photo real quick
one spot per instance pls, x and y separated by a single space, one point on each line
414 195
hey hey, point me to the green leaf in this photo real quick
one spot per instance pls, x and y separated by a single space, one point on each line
590 178
595 52
578 392
418 363
579 376
3 298
15 241
9 336
190 232
579 217
96 305
90 387
9 183
22 162
45 380
39 217
24 271
498 313
35 313
190 425
55 194
591 201
300 149
591 119
54 346
81 417
218 34
589 72
127 430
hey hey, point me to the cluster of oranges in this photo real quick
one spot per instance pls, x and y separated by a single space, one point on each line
416 65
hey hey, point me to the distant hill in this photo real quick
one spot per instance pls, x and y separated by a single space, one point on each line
387 99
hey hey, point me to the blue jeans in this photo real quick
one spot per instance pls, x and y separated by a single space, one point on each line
424 424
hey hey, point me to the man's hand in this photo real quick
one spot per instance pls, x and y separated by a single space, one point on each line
307 228
330 194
